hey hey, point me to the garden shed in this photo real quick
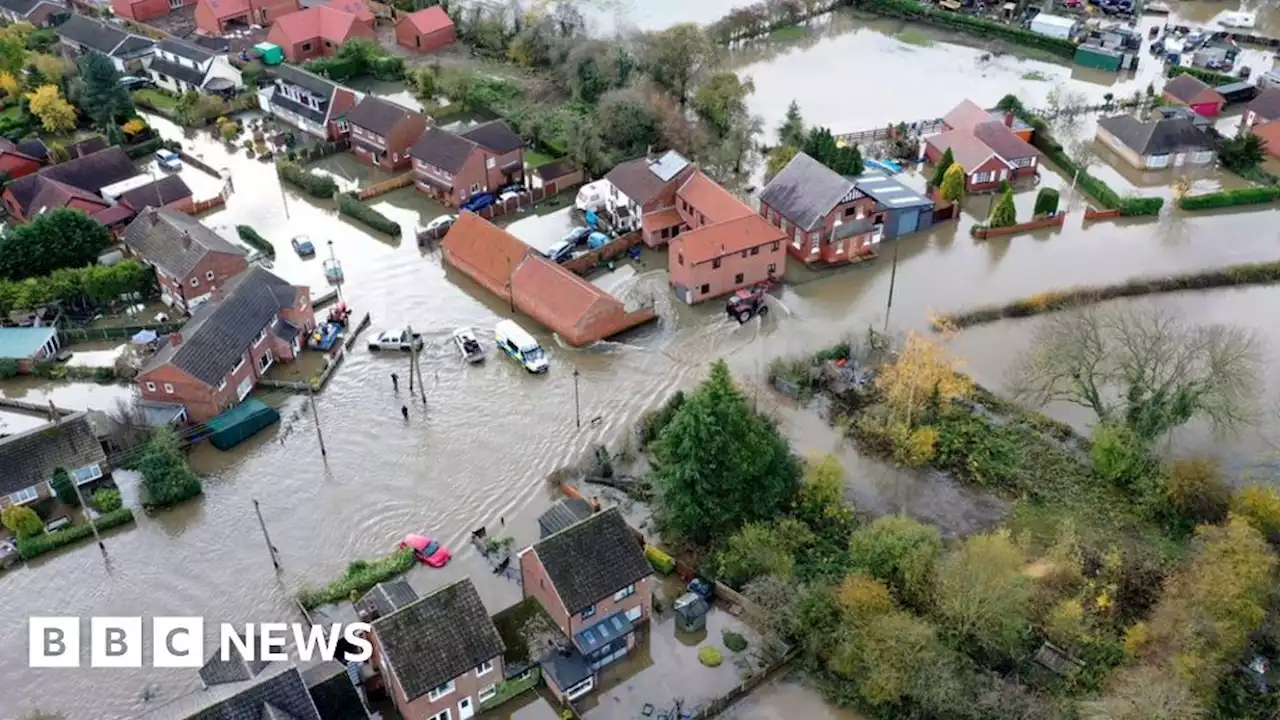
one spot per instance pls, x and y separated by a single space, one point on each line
240 423
691 612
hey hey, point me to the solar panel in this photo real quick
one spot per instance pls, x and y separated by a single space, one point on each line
669 165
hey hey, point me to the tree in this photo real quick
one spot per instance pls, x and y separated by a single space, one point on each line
13 50
676 57
1142 367
1046 202
1198 492
1147 693
102 96
626 122
820 502
1120 455
821 145
1243 152
944 164
791 131
778 159
64 488
952 189
982 594
1005 213
426 87
759 549
21 521
924 369
8 85
720 464
166 478
56 114
62 238
722 99
50 69
1260 507
900 552
582 138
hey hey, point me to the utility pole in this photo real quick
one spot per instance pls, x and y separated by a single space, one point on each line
311 398
416 368
413 357
75 484
284 199
275 560
577 412
893 278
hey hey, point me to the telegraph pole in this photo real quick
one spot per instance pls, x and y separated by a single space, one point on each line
75 484
893 277
413 357
577 412
417 368
311 399
275 560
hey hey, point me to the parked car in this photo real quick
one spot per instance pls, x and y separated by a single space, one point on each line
396 340
303 246
478 202
510 195
444 222
131 83
561 251
169 160
427 551
517 187
576 236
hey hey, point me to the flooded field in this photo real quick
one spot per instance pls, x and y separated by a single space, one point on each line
480 449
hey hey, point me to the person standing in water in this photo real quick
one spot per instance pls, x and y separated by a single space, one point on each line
404 410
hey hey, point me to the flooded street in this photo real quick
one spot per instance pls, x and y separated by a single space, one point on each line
489 435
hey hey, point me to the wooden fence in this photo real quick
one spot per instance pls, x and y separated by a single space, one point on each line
123 332
198 164
500 208
202 206
918 128
386 186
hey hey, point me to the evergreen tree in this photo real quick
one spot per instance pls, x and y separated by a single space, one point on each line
791 131
102 97
944 163
952 188
64 488
166 478
1004 214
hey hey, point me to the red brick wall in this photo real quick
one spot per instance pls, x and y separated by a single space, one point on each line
495 177
343 100
467 685
408 36
16 166
266 12
142 10
402 137
472 172
722 280
536 584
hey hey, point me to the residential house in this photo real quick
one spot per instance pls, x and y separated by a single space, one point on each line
190 259
426 30
578 311
229 343
179 66
905 210
1156 144
30 458
562 514
826 219
504 159
385 598
992 150
128 52
1262 118
308 102
319 31
968 116
40 13
169 192
1270 134
592 579
142 11
215 17
73 184
334 693
448 167
440 657
641 195
28 345
382 133
722 245
1195 94
15 163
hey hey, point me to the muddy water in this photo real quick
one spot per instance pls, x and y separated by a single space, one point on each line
788 697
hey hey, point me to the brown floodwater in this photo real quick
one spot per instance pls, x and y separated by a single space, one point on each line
480 449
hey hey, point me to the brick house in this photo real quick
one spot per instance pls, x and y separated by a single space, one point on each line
382 133
440 657
30 458
448 167
319 31
231 341
127 52
15 163
308 102
504 160
642 195
1195 94
592 579
189 259
1155 144
1263 109
825 219
993 147
722 245
40 13
426 30
216 17
75 184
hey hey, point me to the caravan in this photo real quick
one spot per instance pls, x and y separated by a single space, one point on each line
521 346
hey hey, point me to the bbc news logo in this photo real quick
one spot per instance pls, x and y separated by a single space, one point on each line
178 642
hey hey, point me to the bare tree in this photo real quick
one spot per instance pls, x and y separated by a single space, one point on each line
129 427
1144 368
1147 693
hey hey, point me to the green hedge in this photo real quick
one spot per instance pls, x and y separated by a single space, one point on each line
39 545
256 241
1228 198
1213 78
508 689
150 147
360 576
913 10
351 206
319 186
660 561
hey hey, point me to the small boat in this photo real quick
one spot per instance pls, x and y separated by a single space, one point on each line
303 246
1242 20
888 166
1156 8
324 337
332 271
468 345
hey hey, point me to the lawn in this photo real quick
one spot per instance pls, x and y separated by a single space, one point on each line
533 159
157 98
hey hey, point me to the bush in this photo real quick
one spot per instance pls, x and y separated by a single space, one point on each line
149 147
318 186
1119 455
350 206
361 575
107 500
1213 78
256 241
166 477
36 546
387 67
8 368
1197 491
662 562
64 488
917 448
1260 505
1230 198
709 656
1046 202
733 641
652 424
21 521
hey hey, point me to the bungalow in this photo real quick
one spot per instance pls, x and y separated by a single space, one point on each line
578 311
641 195
308 102
319 31
80 34
382 133
215 17
241 331
1195 94
426 30
592 579
15 163
142 11
826 217
448 167
30 458
170 191
28 345
40 13
190 260
993 150
1264 109
179 66
504 162
1156 144
440 654
728 247
73 184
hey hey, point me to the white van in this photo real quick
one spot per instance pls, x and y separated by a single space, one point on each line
521 346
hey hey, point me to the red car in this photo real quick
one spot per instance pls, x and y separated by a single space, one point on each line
428 551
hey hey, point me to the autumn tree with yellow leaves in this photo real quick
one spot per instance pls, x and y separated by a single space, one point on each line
8 85
924 373
55 113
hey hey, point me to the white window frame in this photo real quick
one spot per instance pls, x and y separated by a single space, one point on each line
525 675
239 365
487 694
24 496
222 384
168 388
484 668
475 188
625 592
491 162
90 473
261 336
436 693
588 612
444 714
574 692
151 387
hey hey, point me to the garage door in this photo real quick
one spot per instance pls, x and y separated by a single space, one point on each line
908 222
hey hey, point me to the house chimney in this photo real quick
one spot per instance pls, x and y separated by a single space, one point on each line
175 339
216 292
1009 118
186 240
595 504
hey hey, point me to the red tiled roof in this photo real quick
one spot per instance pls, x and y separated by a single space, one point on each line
561 300
322 21
713 201
113 215
1187 88
966 116
997 136
726 238
491 252
354 7
429 20
224 9
655 221
968 151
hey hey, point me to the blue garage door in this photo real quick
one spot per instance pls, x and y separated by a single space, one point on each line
908 222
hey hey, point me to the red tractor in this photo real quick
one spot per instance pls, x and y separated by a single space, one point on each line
748 302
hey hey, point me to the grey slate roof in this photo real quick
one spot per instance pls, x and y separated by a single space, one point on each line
134 45
234 669
277 693
442 149
495 136
1267 104
636 179
179 72
335 696
187 50
158 237
563 514
1186 87
29 458
310 82
438 638
167 189
22 7
805 191
1157 137
377 115
592 559
91 173
102 37
223 330
385 598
